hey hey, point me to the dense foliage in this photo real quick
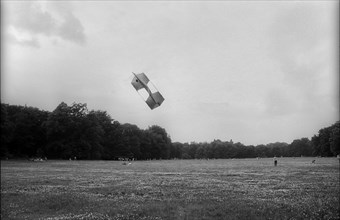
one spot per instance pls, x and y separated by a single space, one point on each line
75 132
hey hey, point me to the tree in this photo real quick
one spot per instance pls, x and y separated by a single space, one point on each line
261 151
6 132
176 150
73 131
301 147
145 145
334 139
326 138
316 145
93 132
249 151
160 142
130 146
324 135
200 152
70 132
277 149
24 135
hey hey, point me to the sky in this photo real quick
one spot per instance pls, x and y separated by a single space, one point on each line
256 72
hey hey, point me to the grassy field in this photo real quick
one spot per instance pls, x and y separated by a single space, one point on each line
174 189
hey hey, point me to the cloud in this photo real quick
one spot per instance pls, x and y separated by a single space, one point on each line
279 103
69 26
30 17
28 21
71 29
24 40
304 44
298 45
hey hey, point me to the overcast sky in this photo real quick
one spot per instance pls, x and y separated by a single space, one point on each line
255 72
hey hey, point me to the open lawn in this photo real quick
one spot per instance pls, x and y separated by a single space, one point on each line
171 189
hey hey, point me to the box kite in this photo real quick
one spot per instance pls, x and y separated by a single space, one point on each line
142 83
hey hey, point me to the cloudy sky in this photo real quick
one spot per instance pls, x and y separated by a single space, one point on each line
255 72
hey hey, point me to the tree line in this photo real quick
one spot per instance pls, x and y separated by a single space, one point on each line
72 131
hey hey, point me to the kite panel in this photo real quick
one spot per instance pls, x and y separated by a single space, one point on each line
143 78
137 84
151 103
140 81
154 100
158 97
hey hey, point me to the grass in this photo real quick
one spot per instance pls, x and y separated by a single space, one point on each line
174 189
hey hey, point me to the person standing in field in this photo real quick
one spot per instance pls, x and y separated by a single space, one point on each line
275 161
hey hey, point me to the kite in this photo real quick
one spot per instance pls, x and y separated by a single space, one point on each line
153 98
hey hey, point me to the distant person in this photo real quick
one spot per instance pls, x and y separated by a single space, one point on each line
275 161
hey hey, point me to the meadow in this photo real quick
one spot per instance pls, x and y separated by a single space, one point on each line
171 189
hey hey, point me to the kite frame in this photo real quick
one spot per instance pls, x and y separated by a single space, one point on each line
146 87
